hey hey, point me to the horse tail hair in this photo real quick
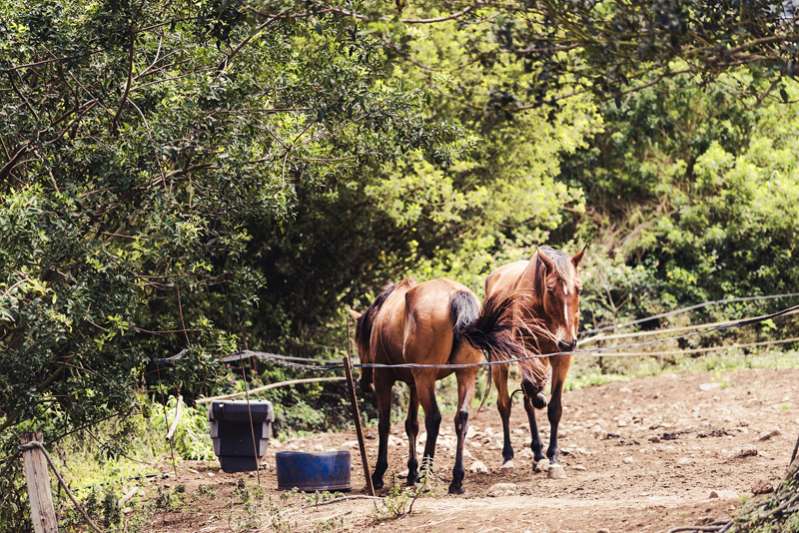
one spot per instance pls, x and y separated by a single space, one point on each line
363 335
464 310
490 329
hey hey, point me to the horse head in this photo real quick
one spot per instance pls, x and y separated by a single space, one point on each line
557 291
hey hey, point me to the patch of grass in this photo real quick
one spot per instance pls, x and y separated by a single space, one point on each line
592 379
400 500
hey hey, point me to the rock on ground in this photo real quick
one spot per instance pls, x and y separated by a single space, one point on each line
478 467
502 489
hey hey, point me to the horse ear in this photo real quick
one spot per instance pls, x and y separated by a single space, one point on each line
548 261
354 314
579 256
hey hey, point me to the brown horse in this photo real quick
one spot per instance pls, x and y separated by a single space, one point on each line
548 292
432 323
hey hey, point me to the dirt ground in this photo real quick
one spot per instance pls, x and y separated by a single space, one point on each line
644 455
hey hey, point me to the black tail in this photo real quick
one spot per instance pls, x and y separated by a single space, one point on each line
363 332
490 330
464 309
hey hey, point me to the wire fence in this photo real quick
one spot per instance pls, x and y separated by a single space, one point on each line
613 350
688 309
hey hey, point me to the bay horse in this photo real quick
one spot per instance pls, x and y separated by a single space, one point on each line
435 322
547 289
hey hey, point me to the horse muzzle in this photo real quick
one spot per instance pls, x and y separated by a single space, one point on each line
564 346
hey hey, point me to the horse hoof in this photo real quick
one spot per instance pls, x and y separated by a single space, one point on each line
507 465
542 465
377 484
556 471
456 490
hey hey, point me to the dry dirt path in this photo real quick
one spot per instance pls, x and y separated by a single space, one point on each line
643 455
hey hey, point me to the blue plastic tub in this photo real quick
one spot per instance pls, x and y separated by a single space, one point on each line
310 472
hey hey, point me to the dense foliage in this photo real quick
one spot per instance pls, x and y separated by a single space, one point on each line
201 177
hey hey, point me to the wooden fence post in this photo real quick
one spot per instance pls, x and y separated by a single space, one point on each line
37 477
356 415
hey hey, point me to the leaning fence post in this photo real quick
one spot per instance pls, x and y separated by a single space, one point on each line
356 414
37 477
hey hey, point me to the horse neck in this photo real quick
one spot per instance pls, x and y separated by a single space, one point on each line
531 283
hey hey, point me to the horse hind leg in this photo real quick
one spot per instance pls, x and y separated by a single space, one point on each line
383 385
412 429
425 388
466 383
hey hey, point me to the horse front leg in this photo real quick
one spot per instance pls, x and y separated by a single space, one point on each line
466 382
560 369
535 443
383 385
504 408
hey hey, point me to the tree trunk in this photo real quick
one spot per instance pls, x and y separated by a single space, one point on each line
780 511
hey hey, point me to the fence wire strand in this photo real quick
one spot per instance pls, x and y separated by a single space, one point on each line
688 309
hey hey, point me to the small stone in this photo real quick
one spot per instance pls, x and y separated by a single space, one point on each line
628 460
745 452
763 487
685 461
579 468
502 489
723 494
709 386
603 530
556 471
769 434
713 494
478 467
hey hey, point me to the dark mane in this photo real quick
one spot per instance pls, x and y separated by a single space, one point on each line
363 326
